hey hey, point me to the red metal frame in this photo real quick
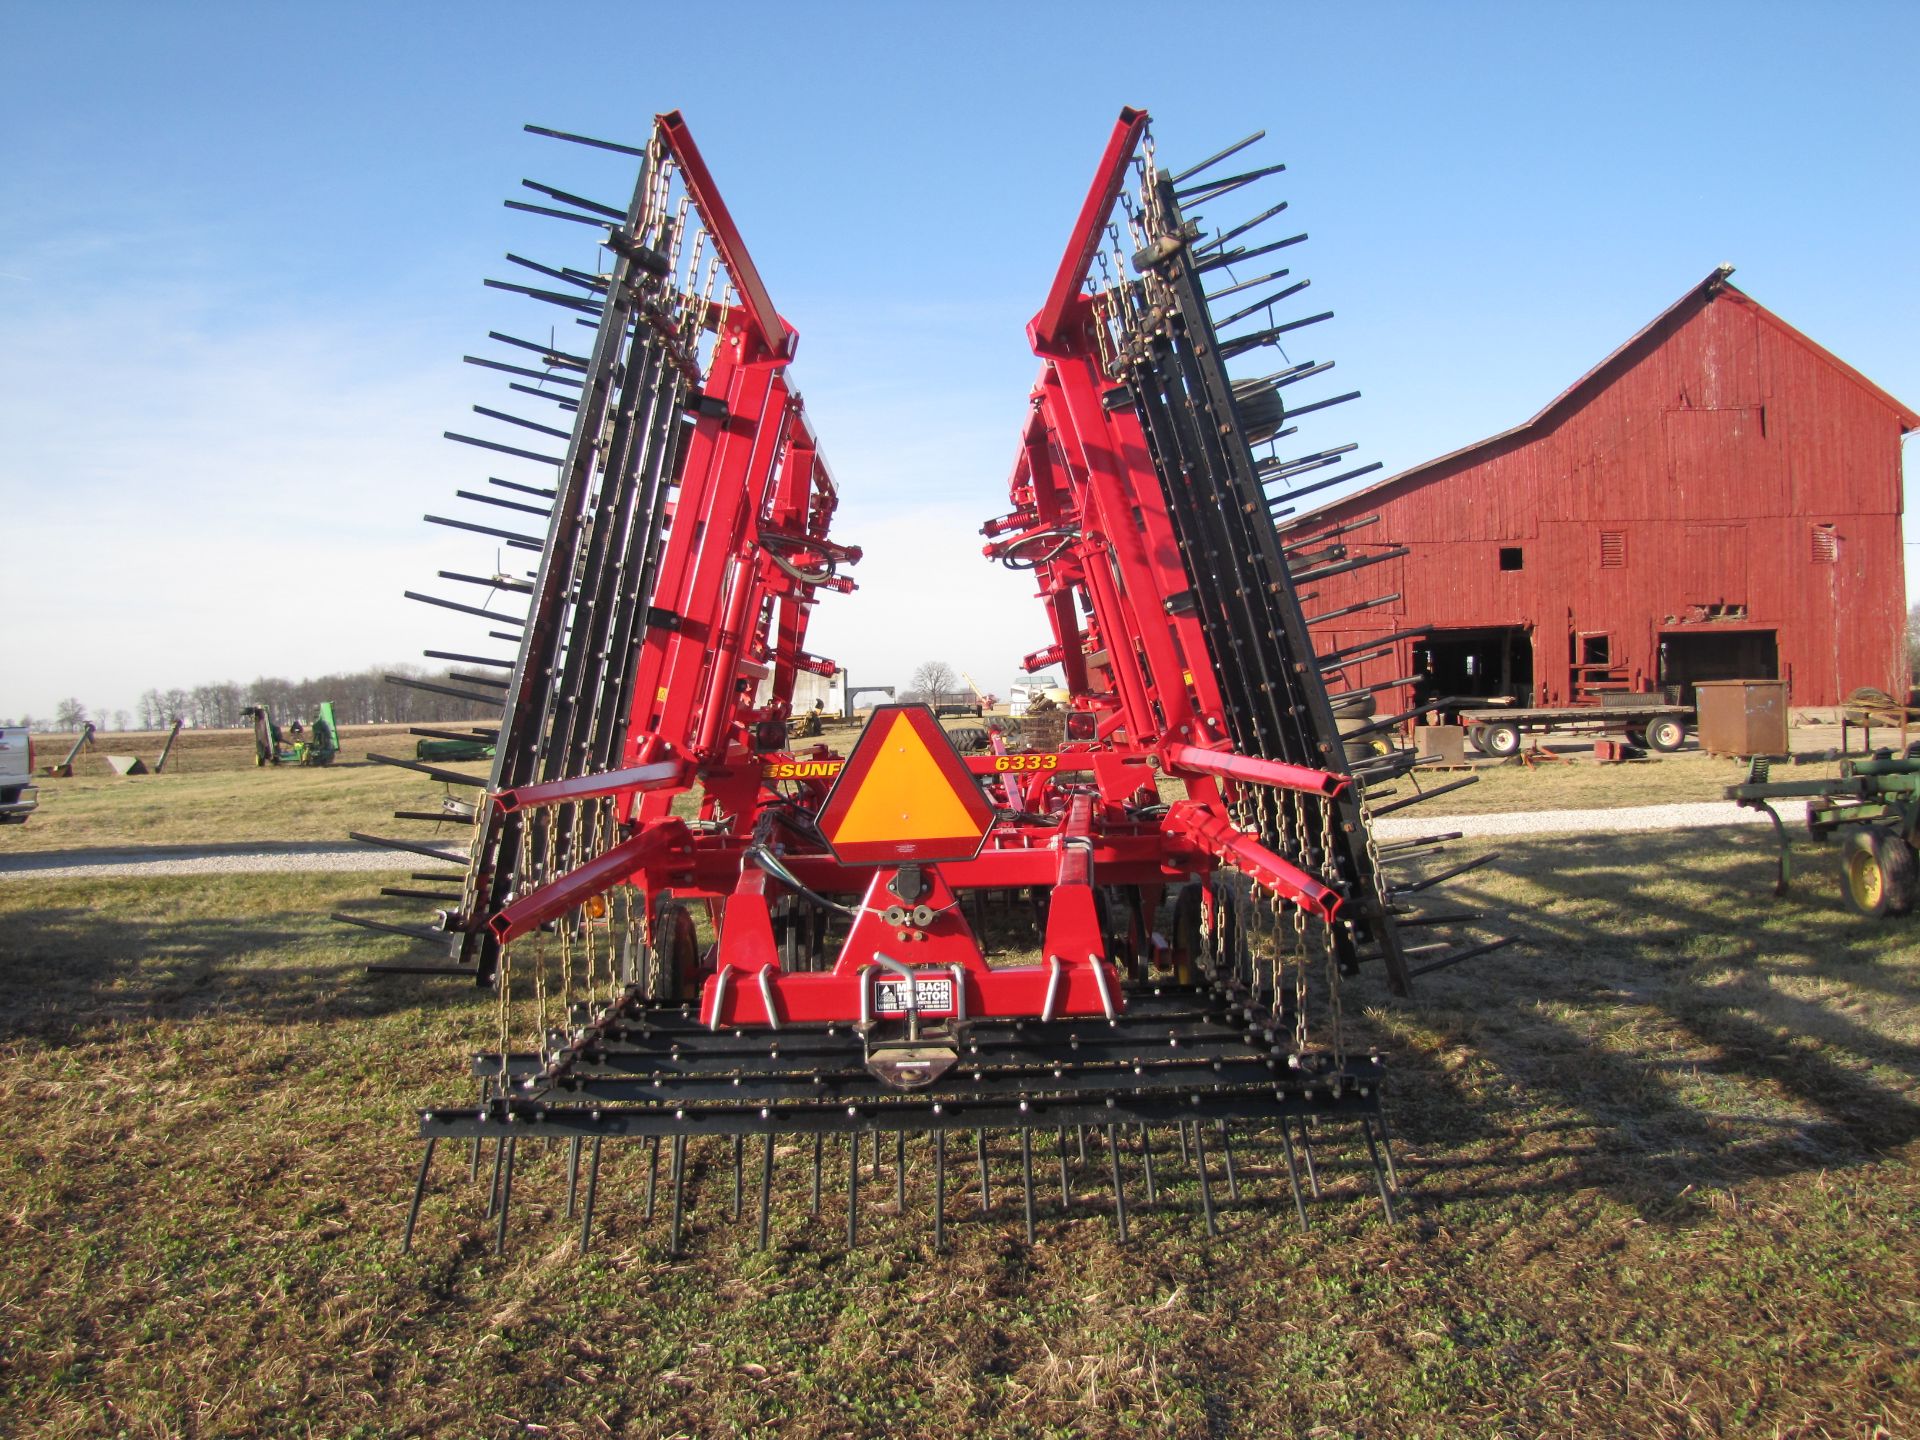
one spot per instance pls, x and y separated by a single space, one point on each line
745 554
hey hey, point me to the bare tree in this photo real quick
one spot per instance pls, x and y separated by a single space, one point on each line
120 718
70 714
1913 645
933 680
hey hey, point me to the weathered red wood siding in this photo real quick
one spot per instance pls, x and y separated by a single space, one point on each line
1706 452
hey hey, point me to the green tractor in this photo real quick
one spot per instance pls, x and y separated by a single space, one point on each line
317 747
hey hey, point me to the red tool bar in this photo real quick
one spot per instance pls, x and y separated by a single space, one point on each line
1230 766
726 236
1045 328
1033 762
590 787
576 887
1274 872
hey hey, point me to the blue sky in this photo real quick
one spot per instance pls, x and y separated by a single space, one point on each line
241 250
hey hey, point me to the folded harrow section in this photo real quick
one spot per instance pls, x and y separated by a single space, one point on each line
1134 932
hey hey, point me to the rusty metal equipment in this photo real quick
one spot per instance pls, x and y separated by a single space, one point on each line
702 938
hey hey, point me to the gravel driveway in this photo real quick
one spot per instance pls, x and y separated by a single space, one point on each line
278 855
243 857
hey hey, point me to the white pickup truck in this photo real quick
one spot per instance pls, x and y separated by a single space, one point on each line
18 793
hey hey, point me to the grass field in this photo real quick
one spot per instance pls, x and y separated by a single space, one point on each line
1660 1169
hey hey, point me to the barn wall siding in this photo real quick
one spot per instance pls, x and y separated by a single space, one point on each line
1709 455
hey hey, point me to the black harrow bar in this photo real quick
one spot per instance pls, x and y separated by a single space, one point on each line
1190 1065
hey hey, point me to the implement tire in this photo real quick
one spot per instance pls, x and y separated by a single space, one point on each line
1502 738
1666 733
1878 873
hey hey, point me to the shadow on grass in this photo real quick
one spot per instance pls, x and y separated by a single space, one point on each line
73 968
1667 1008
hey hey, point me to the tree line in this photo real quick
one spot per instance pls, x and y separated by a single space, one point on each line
361 697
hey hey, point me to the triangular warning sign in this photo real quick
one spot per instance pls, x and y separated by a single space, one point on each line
905 796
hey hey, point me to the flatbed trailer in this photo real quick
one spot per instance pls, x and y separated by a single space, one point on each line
1497 731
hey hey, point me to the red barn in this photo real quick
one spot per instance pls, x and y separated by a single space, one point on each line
1718 499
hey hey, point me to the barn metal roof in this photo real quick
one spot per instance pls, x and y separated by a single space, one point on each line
1714 285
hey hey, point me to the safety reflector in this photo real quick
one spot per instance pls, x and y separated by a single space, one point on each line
905 795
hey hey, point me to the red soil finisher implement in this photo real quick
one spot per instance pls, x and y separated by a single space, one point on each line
1135 938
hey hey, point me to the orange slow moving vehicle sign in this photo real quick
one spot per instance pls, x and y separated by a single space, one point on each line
904 795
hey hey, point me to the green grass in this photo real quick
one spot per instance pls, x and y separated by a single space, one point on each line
228 806
1660 1169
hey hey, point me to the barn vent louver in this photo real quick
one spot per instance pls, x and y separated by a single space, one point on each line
1613 549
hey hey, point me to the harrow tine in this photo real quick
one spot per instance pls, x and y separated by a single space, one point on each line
1288 496
677 1179
1026 1177
1386 1150
980 1145
524 370
548 352
653 1171
1207 193
819 1143
1293 1174
1235 289
1119 1187
419 1193
1226 1150
566 402
473 1154
495 500
1200 1164
1429 881
1398 849
1214 159
1473 952
506 1199
1424 796
853 1188
1146 1160
614 146
512 537
499 1163
579 202
739 1142
939 1191
550 297
1379 1174
593 1190
573 1173
766 1187
554 214
1241 344
1265 303
1066 1185
899 1171
1235 257
544 492
1353 609
1313 405
1306 1153
1220 241
511 419
493 615
513 450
